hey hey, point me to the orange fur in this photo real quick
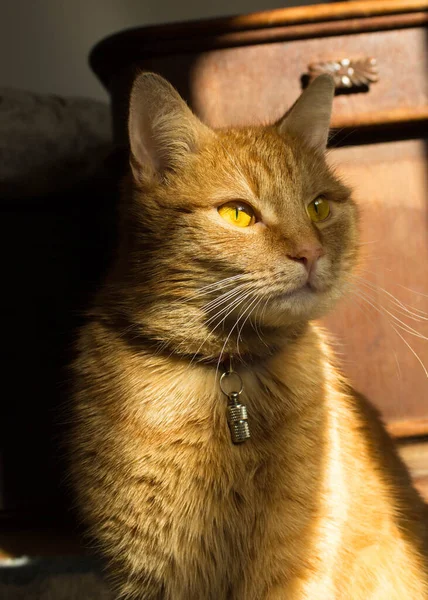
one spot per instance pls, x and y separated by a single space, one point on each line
316 505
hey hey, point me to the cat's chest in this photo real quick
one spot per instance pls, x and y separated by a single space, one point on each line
237 505
188 412
193 405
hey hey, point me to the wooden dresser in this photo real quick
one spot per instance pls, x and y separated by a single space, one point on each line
250 69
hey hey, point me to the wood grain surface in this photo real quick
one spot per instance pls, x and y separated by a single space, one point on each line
240 86
117 52
257 84
379 327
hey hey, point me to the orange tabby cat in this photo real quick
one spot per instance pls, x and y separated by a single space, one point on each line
231 243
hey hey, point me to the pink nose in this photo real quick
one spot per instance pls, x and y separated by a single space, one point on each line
308 256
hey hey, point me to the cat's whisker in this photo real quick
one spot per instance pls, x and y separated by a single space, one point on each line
233 302
257 311
248 318
367 314
260 317
212 287
381 309
232 279
334 133
404 313
411 331
266 304
394 300
228 309
413 291
412 350
399 322
413 308
230 333
210 306
230 293
362 307
251 308
403 328
397 362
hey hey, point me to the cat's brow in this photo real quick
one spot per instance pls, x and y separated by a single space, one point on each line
242 179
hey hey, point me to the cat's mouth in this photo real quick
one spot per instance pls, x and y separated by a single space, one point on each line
303 297
299 291
306 287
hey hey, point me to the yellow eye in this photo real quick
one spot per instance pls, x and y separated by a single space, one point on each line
319 209
237 213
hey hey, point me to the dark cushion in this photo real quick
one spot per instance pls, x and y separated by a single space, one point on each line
48 143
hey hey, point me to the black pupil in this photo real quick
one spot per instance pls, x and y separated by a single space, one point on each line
239 209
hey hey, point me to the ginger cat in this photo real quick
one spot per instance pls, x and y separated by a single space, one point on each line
231 243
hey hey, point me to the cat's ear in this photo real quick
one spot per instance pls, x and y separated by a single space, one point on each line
162 128
309 118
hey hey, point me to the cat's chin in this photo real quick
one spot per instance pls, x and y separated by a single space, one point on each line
305 303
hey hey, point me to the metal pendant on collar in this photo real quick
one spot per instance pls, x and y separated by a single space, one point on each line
237 416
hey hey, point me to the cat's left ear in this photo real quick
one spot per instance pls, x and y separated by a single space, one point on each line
162 128
309 118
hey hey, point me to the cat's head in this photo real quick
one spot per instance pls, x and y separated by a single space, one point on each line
235 234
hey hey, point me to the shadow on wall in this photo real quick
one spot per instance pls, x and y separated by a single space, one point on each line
55 38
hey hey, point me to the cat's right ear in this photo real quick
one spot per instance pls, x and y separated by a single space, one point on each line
162 128
309 118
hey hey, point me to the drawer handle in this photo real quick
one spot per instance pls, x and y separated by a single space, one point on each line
348 74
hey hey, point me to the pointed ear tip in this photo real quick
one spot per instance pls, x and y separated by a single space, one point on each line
325 80
148 75
148 78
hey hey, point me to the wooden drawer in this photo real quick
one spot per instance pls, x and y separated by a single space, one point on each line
255 84
249 69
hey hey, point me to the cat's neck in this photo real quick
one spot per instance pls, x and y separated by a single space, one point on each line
245 347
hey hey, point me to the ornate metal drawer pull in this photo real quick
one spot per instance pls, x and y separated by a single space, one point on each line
347 73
